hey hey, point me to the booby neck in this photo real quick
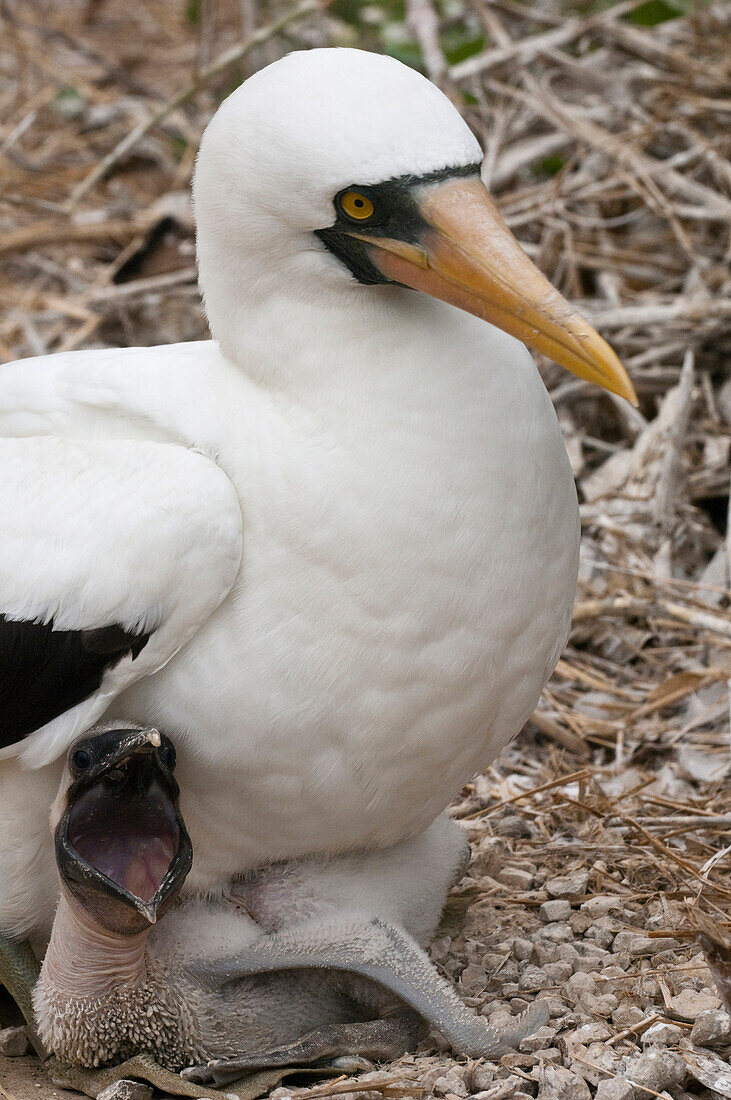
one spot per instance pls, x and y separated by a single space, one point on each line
367 352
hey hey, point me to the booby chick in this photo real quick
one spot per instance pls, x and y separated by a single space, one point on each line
299 962
332 551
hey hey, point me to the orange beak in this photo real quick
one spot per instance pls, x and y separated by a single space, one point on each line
468 257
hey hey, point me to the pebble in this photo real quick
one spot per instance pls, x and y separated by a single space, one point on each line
558 1083
603 1005
473 976
592 1062
579 984
661 1035
636 944
507 1089
558 932
126 1090
593 1033
451 1082
627 1015
522 948
616 1089
601 905
690 1003
559 972
550 1054
14 1042
556 1008
591 950
516 877
569 886
512 825
546 952
603 937
481 1078
655 1069
557 910
533 978
539 1040
492 960
711 1029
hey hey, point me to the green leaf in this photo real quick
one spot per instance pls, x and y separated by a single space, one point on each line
658 11
549 166
193 12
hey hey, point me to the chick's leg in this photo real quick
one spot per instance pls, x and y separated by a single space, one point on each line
389 958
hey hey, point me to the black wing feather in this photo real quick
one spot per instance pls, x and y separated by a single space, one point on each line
44 672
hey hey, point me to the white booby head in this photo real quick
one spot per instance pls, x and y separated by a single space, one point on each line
336 170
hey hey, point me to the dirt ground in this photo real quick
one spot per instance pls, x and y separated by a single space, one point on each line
25 1079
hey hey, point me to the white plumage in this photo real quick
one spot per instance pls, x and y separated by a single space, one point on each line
410 525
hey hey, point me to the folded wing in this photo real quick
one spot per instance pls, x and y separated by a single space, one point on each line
112 556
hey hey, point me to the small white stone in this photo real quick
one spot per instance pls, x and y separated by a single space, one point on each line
655 1069
712 1028
637 945
515 877
539 1040
616 1089
558 1083
572 885
557 909
126 1090
522 948
450 1083
14 1042
661 1035
689 1004
558 932
601 905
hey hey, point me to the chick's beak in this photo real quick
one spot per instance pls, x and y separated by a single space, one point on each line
122 849
467 256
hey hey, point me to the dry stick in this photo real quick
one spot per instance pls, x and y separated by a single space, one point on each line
223 61
636 1029
682 309
701 619
630 605
55 232
651 48
562 781
389 1087
672 856
567 738
529 48
424 22
692 821
611 605
645 167
663 505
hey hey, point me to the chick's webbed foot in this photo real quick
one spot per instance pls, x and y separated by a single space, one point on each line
380 1040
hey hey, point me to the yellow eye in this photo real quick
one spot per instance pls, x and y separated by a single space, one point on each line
356 206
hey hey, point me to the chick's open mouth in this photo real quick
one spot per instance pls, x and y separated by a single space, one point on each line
126 828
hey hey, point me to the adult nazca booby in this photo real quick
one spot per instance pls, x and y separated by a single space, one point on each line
332 551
